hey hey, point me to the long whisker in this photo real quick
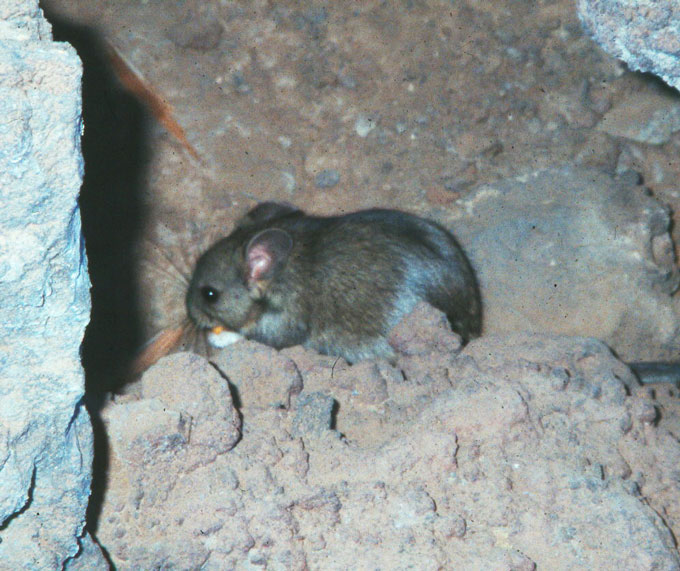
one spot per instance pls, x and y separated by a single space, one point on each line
208 347
188 262
198 340
194 338
181 283
183 275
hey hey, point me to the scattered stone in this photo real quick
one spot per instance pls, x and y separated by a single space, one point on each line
327 178
313 414
364 124
651 120
645 412
400 127
240 83
451 526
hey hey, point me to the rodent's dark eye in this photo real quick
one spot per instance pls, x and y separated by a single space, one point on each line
209 294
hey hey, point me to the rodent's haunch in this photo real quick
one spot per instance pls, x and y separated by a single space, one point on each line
335 284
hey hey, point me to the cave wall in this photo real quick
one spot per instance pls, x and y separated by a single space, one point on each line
45 431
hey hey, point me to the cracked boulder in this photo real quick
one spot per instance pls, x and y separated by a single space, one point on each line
574 251
515 452
45 431
644 34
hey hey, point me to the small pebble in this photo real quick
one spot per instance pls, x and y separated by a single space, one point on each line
327 178
313 415
645 412
284 141
364 125
559 378
451 526
238 80
626 423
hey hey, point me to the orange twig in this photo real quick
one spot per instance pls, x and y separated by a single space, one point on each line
159 107
158 347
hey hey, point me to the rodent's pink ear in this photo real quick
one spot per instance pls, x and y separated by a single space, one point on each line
266 253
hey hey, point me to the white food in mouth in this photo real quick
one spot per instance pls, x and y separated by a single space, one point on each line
223 338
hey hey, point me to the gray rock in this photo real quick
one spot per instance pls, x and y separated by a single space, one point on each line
90 557
652 119
46 443
643 33
313 414
574 251
501 465
327 178
261 377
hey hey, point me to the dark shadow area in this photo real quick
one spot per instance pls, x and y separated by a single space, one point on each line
334 415
657 372
116 154
656 82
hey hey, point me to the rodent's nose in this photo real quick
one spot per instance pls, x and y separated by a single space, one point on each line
209 294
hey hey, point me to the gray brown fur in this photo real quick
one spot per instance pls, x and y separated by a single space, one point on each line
339 285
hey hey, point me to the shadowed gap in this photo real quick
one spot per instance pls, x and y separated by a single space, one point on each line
116 153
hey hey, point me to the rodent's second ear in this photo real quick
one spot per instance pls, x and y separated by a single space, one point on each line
266 253
266 211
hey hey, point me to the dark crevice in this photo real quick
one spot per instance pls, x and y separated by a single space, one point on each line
76 412
105 553
27 504
335 409
116 154
233 390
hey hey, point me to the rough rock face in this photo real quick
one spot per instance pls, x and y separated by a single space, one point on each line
46 437
514 453
574 251
643 33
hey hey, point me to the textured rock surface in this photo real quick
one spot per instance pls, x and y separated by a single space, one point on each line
516 453
653 120
573 250
45 432
643 33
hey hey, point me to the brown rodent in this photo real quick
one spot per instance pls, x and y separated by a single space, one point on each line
335 284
